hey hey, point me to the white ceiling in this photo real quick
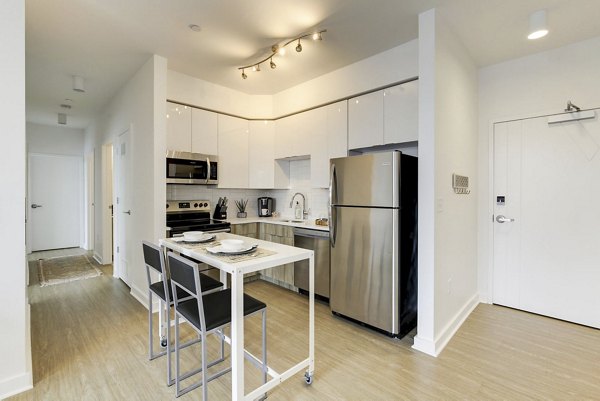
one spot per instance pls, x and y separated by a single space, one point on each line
107 41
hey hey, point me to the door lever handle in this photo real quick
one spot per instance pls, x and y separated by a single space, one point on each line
35 206
128 212
502 219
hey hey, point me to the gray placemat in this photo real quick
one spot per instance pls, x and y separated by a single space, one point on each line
257 253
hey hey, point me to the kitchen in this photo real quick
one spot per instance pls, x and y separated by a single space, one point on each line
452 133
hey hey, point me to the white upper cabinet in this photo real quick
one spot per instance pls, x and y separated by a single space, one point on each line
283 138
179 127
204 132
337 129
329 140
365 120
292 135
401 113
384 117
233 152
261 163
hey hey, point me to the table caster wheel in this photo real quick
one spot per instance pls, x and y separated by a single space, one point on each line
163 343
308 378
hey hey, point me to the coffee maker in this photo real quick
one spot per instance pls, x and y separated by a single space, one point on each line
266 206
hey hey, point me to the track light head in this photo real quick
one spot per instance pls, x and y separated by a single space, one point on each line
273 65
299 47
244 76
317 36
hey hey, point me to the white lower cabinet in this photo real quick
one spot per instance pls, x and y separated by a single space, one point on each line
233 152
261 147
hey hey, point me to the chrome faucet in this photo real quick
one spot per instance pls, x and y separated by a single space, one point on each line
304 210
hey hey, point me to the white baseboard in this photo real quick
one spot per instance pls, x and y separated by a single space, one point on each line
141 296
434 348
97 258
15 385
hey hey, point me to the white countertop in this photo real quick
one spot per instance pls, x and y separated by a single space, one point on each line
309 223
283 254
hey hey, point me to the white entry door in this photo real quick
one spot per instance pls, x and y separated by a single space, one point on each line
122 215
55 197
547 218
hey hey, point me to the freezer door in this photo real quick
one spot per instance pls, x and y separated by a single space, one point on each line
364 266
367 180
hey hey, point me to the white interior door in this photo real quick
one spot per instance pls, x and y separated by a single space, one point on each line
122 216
55 201
547 178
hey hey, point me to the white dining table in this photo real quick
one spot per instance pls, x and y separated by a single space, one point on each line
282 254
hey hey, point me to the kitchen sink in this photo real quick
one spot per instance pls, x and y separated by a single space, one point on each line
293 221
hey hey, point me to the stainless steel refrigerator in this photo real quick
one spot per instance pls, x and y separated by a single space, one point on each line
373 240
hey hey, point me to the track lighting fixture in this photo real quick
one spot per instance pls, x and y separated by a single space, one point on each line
280 50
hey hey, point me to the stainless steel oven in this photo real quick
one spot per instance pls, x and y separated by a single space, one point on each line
192 215
191 168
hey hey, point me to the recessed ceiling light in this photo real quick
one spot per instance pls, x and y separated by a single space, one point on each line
537 25
194 27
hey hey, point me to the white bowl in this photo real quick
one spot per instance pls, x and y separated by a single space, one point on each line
232 244
193 235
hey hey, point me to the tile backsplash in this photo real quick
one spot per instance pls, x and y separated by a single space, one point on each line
316 198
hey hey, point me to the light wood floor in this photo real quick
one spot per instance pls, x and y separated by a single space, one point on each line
89 341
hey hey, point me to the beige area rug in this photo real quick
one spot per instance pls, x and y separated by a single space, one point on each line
61 270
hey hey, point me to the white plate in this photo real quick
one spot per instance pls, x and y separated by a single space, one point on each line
219 250
193 235
200 240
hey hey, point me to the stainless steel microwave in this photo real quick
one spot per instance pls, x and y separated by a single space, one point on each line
191 168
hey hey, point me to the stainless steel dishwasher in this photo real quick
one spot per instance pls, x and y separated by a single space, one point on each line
317 241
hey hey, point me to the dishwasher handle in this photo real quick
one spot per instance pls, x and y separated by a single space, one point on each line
305 232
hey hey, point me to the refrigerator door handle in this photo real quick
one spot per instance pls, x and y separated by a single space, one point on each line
332 213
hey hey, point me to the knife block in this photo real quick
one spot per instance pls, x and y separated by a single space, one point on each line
220 213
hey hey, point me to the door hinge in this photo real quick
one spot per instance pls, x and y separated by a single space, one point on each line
118 249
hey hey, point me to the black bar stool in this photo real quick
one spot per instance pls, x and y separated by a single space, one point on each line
154 259
207 314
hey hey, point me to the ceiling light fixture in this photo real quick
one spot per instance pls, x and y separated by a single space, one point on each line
78 84
62 118
194 27
537 25
280 50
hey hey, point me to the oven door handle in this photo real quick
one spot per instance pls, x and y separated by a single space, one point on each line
208 169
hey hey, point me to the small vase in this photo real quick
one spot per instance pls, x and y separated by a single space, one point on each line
242 215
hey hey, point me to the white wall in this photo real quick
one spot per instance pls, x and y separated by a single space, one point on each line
196 92
535 85
316 198
55 140
139 106
394 65
447 144
15 354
